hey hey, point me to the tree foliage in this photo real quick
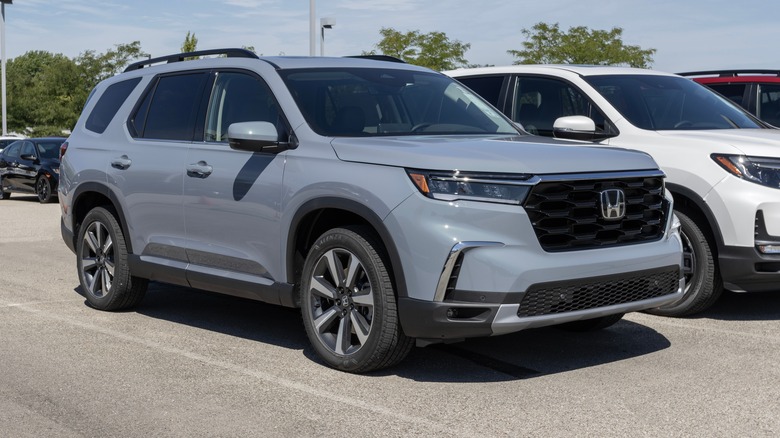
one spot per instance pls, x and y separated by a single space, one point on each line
46 91
433 49
190 43
547 44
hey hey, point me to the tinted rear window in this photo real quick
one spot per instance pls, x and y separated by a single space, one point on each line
105 109
173 107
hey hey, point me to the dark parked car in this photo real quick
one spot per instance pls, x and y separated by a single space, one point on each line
31 166
758 91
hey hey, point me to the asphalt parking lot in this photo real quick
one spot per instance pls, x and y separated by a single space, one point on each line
189 363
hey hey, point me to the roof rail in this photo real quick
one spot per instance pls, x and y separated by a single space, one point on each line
387 58
731 73
230 53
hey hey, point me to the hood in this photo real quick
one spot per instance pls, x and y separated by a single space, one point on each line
753 142
532 155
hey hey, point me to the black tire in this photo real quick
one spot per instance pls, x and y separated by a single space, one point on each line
43 190
101 259
346 289
703 285
588 325
3 193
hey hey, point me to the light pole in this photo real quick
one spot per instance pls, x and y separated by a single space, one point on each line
2 58
312 28
325 23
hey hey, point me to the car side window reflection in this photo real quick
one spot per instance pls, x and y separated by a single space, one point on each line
13 150
28 149
238 97
539 101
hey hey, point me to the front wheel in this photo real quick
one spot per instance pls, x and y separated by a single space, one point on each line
702 277
348 302
102 263
3 193
43 190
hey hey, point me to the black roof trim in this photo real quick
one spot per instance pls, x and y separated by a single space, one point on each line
731 73
387 58
230 53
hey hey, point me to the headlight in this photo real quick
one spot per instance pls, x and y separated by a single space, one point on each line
456 185
760 170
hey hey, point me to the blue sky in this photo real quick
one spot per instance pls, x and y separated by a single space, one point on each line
688 34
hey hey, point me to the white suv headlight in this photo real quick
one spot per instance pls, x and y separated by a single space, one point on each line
760 170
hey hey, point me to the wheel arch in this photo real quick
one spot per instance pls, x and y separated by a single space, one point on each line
319 215
688 202
90 195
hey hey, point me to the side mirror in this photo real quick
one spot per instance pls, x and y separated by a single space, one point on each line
576 128
255 137
28 157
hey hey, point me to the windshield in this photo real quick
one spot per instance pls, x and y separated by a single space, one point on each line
360 102
669 103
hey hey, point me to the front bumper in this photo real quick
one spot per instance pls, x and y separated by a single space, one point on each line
542 305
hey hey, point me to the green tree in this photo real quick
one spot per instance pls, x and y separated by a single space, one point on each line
433 50
546 44
98 66
190 43
46 92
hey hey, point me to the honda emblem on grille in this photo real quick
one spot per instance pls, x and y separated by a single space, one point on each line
613 204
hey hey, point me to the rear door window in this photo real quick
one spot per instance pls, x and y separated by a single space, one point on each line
170 107
489 87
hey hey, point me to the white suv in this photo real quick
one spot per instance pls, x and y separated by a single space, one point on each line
723 164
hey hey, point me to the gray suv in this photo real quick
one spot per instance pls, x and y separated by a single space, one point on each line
385 200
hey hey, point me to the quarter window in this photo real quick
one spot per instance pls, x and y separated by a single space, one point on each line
106 107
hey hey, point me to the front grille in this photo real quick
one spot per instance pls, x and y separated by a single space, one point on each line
583 294
567 215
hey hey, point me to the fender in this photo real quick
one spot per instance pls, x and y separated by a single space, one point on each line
359 209
102 189
702 206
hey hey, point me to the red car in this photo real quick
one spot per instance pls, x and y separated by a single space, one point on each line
758 91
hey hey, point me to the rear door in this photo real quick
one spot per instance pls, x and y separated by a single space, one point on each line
148 170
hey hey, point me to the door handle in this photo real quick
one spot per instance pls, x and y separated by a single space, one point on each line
201 169
121 163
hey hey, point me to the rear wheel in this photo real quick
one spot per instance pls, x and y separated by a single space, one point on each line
702 278
348 302
43 189
102 264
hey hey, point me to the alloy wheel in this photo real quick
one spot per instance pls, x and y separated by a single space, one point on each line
97 259
342 302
